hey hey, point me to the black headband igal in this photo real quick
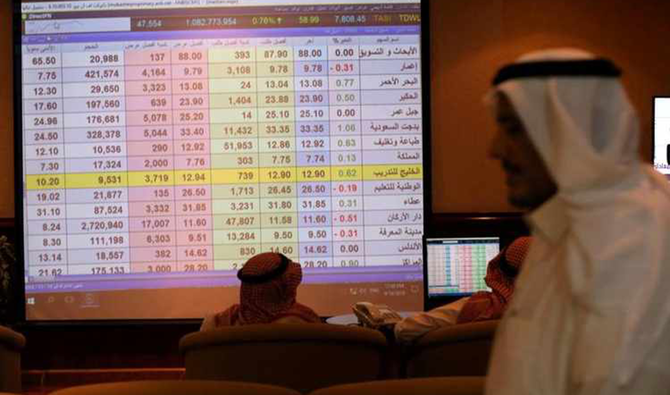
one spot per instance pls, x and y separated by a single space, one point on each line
505 267
558 68
274 273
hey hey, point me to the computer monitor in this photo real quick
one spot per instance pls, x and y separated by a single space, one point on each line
661 135
455 267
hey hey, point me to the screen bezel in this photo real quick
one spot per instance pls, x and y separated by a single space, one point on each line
19 292
654 99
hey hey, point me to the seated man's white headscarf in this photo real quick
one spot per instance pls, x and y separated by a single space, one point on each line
615 248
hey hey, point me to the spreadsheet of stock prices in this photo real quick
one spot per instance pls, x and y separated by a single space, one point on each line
459 265
188 143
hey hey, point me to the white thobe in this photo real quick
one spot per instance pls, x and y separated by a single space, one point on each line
587 313
415 326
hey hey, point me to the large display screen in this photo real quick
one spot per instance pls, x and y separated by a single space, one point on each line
165 142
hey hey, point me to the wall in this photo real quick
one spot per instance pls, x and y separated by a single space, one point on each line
470 40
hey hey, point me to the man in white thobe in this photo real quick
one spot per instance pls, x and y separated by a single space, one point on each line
592 303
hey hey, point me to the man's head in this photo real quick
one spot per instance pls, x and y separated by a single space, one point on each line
565 126
529 183
269 282
503 269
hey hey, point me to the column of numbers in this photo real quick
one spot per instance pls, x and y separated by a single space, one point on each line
276 112
151 161
44 162
313 157
453 268
480 263
345 146
464 261
95 150
438 269
192 159
234 155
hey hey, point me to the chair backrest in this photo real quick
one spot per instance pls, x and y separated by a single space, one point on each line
458 350
11 344
425 386
299 356
175 387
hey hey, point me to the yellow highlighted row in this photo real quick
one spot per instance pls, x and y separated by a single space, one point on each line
224 176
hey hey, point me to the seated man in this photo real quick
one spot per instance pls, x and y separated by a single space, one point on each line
484 305
267 294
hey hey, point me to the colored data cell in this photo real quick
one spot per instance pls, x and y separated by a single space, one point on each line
397 96
227 55
393 172
98 225
311 68
236 221
275 84
391 142
42 91
190 56
89 89
243 206
391 67
310 53
41 61
43 122
231 161
147 57
99 269
43 106
45 181
391 126
249 176
93 59
233 100
45 167
394 202
155 178
273 54
148 88
93 74
234 85
192 71
148 72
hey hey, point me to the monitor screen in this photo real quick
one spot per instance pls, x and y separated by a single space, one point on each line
662 135
457 266
163 143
